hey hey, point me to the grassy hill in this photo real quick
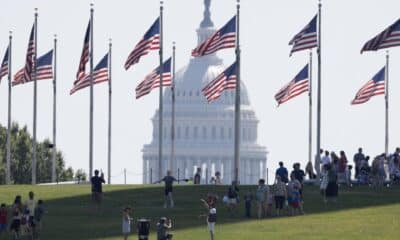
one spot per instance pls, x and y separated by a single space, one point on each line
361 213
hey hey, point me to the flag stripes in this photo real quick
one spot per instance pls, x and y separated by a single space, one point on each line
100 74
24 75
223 38
150 41
389 37
45 66
152 80
307 38
80 75
374 87
4 64
226 80
295 87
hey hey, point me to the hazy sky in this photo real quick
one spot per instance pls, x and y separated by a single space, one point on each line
266 28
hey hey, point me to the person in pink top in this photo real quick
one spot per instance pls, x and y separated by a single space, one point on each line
342 167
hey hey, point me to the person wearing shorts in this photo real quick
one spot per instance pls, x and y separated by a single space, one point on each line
211 216
169 181
280 194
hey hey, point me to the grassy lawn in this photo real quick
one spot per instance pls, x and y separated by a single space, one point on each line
361 213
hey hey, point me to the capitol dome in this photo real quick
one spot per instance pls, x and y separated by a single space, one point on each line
204 132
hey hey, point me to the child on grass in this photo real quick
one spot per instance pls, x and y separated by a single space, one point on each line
211 217
126 222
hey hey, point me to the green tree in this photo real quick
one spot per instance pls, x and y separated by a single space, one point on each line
21 158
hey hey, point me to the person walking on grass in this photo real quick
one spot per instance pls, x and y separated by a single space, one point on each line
16 211
126 222
169 181
211 216
261 198
280 194
31 206
97 189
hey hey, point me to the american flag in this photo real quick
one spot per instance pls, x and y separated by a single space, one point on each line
294 88
24 75
45 66
4 65
306 38
223 38
226 80
80 75
375 86
150 41
152 80
390 37
100 74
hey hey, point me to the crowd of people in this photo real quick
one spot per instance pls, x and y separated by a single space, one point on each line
23 220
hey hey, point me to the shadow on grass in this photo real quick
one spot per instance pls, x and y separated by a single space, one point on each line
72 218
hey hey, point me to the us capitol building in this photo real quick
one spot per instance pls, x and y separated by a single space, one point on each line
204 132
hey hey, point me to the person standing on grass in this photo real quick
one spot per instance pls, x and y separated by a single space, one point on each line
39 212
16 210
248 199
280 194
324 181
282 172
332 187
126 222
97 188
233 194
299 175
358 159
294 196
261 198
197 176
211 216
342 165
169 181
163 226
3 218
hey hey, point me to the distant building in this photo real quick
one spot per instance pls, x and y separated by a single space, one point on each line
204 133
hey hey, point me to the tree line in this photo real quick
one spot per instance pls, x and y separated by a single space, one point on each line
21 158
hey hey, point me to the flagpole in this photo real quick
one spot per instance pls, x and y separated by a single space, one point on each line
172 161
160 113
319 90
109 112
54 153
387 106
34 103
237 100
310 109
8 172
91 94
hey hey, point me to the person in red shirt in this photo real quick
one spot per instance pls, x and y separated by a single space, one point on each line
3 218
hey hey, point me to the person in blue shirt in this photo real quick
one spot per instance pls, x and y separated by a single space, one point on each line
282 172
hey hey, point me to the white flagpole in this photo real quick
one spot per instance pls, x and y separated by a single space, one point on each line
318 156
91 95
109 113
54 153
34 156
387 106
237 100
8 172
160 113
172 160
310 110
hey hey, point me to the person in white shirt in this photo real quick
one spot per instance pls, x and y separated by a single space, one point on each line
326 159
